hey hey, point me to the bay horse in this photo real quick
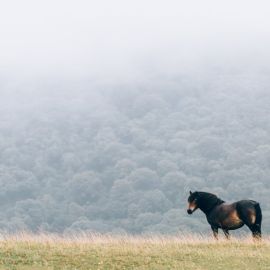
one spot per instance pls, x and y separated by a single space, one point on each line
221 215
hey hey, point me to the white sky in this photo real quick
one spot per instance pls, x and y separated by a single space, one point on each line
123 40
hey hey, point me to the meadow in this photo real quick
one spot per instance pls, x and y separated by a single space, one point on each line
92 251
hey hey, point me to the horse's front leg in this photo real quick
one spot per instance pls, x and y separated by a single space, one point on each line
215 232
227 234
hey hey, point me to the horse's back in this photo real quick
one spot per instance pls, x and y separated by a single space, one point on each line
247 202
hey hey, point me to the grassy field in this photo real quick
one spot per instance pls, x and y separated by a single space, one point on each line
114 252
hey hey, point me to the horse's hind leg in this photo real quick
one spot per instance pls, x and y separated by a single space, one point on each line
253 219
256 231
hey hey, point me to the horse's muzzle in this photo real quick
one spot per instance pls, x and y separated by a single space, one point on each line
189 211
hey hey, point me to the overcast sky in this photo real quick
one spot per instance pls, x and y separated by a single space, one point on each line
126 40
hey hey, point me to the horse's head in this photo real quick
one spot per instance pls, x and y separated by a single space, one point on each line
192 202
204 200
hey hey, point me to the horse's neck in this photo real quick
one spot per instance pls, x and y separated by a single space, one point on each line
208 206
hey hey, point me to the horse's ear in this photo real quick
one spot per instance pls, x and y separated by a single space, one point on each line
190 192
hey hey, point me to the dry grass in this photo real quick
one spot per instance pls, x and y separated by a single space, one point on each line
94 251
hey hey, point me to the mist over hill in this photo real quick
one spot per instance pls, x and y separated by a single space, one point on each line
111 111
122 158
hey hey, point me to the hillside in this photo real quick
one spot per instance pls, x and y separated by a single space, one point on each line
122 158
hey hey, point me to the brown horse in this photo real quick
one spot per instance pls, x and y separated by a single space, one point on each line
221 215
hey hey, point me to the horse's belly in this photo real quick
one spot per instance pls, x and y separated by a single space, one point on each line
232 222
234 226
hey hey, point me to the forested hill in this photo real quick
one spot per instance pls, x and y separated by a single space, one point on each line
122 158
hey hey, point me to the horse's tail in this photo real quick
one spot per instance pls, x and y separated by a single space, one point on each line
258 210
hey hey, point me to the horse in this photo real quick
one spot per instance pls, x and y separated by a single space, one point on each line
221 215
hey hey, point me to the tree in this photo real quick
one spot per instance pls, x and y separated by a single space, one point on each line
85 187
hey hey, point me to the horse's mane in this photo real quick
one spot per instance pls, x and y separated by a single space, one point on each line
207 201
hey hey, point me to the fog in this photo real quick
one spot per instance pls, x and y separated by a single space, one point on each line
130 41
111 111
